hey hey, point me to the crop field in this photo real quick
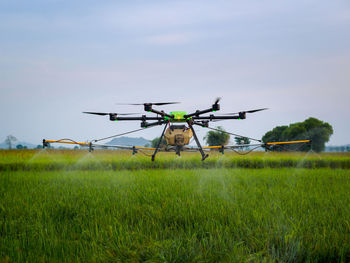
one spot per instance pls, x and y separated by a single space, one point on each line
110 206
56 160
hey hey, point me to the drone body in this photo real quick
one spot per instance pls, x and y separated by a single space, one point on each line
176 134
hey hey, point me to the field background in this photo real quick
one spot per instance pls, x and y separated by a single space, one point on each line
110 206
50 160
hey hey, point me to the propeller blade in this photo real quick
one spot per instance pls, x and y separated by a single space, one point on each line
248 111
129 103
217 100
96 113
149 103
165 103
251 111
105 113
127 113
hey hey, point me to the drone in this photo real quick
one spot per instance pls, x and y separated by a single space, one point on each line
178 129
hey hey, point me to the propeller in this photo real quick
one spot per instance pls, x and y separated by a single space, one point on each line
216 106
149 103
108 113
217 100
243 112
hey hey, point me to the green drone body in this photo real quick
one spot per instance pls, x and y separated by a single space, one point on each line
179 116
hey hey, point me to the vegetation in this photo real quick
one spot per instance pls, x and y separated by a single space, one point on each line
56 160
242 141
214 138
20 147
155 142
10 139
342 148
105 206
216 215
311 129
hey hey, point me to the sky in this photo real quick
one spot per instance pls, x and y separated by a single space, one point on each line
60 58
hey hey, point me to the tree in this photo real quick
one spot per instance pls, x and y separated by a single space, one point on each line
214 138
19 146
10 139
155 141
242 140
312 129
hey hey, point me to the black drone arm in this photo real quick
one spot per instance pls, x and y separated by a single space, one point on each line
213 117
142 118
120 116
214 107
198 112
161 113
148 107
145 124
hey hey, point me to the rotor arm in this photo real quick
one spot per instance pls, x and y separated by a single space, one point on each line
213 117
148 107
198 112
214 107
145 124
142 118
161 113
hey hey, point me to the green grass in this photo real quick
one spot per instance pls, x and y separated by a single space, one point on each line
55 160
181 215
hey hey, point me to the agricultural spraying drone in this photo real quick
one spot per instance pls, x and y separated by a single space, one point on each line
176 133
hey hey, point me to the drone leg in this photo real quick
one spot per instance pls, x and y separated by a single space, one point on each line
45 144
90 147
204 156
159 142
222 149
178 150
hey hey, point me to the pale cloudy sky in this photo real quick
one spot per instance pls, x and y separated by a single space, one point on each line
59 58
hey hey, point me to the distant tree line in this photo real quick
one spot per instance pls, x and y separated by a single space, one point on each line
20 146
342 148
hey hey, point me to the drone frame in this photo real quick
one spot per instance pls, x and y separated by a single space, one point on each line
163 118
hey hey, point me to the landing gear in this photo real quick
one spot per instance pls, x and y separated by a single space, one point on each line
159 142
90 147
204 156
178 150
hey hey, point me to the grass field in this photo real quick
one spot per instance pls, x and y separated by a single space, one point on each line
66 206
55 160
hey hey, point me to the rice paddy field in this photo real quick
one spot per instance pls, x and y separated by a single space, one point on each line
110 206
